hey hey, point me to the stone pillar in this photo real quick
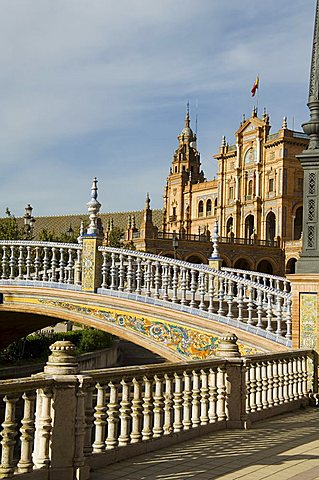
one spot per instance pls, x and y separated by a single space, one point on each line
65 459
227 347
305 284
91 257
91 263
305 311
235 381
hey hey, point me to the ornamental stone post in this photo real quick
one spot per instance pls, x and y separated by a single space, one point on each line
91 240
235 381
305 283
58 430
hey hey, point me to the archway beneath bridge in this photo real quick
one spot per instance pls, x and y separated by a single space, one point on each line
15 325
159 328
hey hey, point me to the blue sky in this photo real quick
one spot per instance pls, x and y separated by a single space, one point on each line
99 88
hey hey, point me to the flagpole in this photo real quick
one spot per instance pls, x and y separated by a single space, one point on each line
258 93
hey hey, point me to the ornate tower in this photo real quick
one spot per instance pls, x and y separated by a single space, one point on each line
309 159
185 171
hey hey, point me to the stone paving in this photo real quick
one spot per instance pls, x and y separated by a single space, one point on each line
284 447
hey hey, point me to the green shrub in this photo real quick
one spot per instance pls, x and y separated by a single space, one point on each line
36 347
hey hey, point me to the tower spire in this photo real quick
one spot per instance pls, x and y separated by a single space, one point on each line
312 127
187 120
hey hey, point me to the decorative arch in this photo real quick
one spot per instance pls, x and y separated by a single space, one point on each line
265 266
270 227
291 265
208 207
250 156
196 257
229 225
249 226
200 208
243 263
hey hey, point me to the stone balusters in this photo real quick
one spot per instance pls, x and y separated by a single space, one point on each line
8 433
27 430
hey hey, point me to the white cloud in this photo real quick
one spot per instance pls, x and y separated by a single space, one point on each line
90 87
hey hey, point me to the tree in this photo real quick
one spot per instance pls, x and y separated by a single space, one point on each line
65 237
10 229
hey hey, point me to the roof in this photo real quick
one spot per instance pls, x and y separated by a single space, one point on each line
61 223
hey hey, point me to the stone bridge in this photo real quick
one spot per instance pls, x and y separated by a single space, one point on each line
174 308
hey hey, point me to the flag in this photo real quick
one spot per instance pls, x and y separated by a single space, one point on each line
255 86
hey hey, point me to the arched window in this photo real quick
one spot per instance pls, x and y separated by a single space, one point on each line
270 227
298 224
201 208
215 206
250 188
249 226
229 225
208 207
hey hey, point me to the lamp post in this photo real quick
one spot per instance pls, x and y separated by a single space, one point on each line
29 221
175 245
69 232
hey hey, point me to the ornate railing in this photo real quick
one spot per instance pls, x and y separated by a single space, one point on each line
40 261
200 287
103 412
265 279
259 300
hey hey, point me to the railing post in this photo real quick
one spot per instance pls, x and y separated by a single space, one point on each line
91 263
235 381
92 259
66 414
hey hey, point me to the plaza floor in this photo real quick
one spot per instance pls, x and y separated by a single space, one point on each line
284 447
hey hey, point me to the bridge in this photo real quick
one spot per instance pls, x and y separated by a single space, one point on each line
175 308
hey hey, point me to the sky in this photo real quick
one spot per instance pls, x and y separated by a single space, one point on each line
99 88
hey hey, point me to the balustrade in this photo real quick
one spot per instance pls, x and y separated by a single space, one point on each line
262 301
39 261
116 407
238 295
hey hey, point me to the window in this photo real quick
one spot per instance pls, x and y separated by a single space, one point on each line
175 169
208 207
174 211
231 193
215 207
271 185
285 182
250 188
201 208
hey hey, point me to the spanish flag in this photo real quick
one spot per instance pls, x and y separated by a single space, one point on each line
255 86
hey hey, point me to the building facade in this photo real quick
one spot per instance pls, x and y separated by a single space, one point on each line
256 198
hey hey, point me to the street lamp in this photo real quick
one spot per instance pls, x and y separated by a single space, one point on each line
29 220
70 232
175 245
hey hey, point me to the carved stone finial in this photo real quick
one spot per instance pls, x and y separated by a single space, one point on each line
129 222
133 222
147 201
93 208
284 123
311 128
228 347
215 253
244 118
62 360
223 144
